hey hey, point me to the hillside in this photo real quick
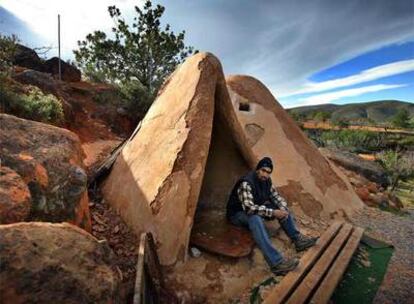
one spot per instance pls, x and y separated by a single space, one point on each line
378 111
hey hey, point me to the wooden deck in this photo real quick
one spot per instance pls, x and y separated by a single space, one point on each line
320 269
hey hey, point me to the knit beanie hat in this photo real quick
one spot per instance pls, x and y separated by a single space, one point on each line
265 162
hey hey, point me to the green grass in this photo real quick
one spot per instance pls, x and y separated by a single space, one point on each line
361 282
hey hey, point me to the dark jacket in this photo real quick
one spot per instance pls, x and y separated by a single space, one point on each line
261 192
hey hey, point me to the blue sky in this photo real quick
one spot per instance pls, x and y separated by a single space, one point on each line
305 52
396 83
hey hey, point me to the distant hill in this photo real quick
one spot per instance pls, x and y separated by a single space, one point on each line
378 111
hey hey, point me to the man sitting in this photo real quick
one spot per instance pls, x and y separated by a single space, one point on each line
254 199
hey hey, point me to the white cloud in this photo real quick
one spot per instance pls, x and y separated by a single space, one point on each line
300 38
375 73
332 96
78 18
282 43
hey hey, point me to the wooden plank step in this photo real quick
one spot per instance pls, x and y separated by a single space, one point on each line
331 280
140 280
153 267
315 275
282 290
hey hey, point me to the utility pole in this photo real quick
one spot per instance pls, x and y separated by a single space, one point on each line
60 71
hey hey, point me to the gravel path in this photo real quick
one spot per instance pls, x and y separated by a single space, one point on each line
398 284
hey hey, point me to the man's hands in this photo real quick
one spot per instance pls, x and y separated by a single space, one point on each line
280 214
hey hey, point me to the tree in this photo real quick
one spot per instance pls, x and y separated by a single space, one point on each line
298 117
7 51
144 52
340 122
322 116
8 46
401 119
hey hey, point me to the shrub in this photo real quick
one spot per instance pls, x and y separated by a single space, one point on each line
135 96
322 116
35 105
353 140
401 119
93 74
340 122
109 96
398 164
298 117
131 95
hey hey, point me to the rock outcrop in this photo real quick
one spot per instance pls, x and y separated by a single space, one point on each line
26 57
55 263
49 160
15 199
192 146
69 72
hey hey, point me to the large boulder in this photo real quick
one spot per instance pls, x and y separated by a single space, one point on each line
367 168
303 175
15 199
50 161
68 71
55 263
28 58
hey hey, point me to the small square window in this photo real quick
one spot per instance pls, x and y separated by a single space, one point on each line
244 106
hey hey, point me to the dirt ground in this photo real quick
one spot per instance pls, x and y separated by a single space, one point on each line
211 278
208 278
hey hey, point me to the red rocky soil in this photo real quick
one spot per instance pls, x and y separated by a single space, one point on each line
107 225
100 128
92 111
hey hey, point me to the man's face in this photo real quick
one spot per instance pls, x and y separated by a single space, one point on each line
263 173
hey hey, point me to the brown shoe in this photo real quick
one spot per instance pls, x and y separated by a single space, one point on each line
304 242
285 266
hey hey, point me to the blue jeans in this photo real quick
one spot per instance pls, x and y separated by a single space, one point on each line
256 225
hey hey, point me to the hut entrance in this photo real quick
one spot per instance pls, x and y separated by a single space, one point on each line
225 165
